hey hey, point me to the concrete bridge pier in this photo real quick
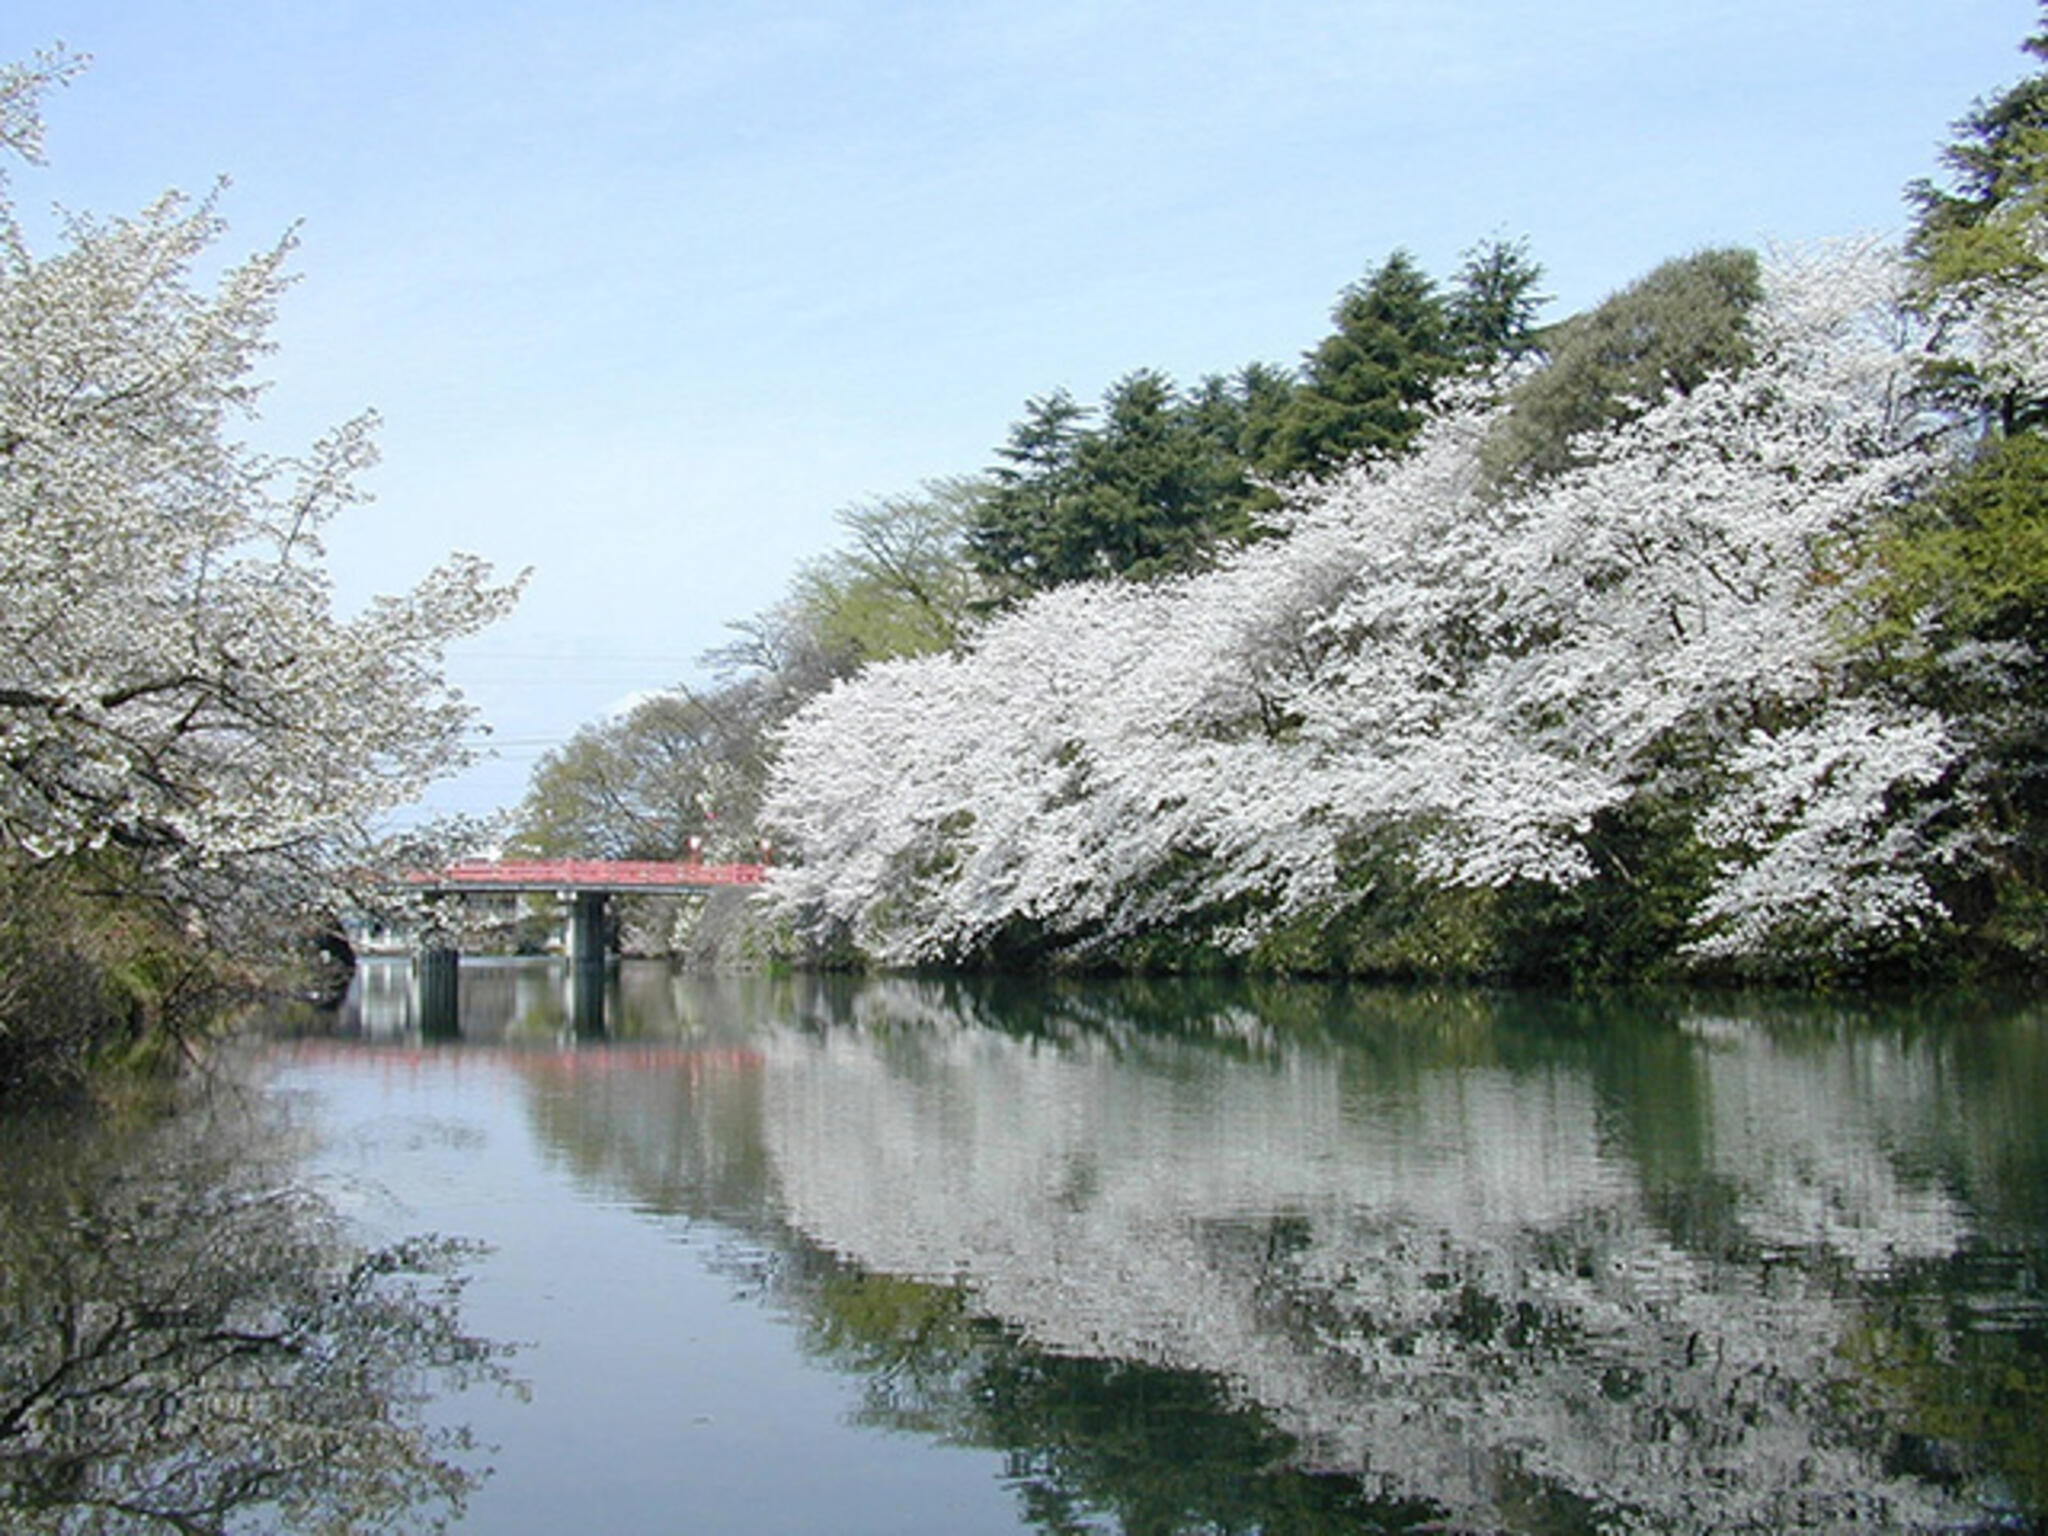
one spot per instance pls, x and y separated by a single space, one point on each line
588 961
587 927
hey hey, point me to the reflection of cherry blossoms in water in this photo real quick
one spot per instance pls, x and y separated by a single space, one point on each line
1235 1259
190 1340
1470 1280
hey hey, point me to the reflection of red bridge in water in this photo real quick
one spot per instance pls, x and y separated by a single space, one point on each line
546 1060
596 876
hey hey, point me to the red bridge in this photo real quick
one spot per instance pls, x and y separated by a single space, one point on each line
595 876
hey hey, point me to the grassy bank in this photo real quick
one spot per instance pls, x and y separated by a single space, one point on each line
95 980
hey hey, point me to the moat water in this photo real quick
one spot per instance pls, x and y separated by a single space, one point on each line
905 1256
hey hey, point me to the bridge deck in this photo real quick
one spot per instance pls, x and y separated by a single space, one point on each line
611 875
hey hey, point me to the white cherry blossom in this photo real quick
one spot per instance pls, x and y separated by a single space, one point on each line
174 679
1417 661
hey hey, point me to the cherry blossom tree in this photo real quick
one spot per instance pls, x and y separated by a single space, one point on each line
1478 680
176 687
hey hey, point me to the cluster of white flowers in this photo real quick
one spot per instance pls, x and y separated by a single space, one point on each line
173 678
1474 674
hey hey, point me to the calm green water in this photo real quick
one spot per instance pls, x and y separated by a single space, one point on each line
903 1256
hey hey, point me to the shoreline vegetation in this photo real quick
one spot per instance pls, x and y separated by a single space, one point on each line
1699 637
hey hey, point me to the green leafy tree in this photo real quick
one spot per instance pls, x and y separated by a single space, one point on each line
1014 539
1957 618
1668 331
1241 412
1163 486
1158 481
1970 563
1981 244
1957 615
678 773
902 583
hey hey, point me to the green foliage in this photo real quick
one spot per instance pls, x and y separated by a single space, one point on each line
1624 924
94 976
1366 386
1153 489
1017 538
1391 926
1996 161
1970 562
676 767
1957 616
1165 484
56 1006
1979 244
1494 302
901 584
1667 331
1158 481
1240 414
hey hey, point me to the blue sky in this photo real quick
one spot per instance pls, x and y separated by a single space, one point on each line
645 292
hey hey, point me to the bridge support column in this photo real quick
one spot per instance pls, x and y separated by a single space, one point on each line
437 986
587 961
586 927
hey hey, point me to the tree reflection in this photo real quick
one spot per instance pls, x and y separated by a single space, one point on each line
1961 1373
1229 1259
1150 1447
191 1342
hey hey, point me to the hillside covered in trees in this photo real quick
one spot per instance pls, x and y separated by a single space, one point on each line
1700 633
